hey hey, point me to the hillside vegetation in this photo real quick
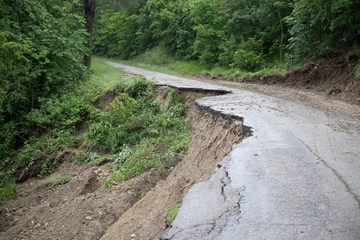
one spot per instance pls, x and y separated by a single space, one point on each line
106 119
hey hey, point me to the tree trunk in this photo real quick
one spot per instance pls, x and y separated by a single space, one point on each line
89 13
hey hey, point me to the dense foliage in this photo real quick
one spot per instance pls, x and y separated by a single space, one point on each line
243 34
322 28
41 53
42 47
41 57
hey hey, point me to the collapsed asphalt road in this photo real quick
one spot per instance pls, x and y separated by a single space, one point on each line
296 177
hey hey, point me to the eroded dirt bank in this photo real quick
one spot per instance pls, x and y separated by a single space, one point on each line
212 137
84 209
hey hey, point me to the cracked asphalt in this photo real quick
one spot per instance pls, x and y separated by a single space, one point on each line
296 177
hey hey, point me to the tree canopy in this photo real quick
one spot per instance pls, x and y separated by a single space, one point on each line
42 48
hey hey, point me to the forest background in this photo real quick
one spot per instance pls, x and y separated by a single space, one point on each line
46 48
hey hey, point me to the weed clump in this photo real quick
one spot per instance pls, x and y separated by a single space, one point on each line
55 180
172 212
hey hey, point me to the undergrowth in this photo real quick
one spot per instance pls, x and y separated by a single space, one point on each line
139 134
132 132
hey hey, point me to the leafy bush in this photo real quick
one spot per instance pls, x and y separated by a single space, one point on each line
136 87
55 121
319 29
41 54
86 157
247 60
48 51
144 136
138 135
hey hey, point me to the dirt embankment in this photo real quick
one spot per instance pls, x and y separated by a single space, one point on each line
84 209
212 137
334 78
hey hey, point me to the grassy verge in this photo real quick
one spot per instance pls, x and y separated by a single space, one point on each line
157 59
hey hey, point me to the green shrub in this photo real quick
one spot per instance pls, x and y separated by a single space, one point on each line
6 192
158 138
84 158
138 135
136 87
247 60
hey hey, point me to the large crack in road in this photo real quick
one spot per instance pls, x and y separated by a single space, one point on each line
296 177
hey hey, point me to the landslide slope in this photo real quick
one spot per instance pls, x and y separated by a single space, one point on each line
83 208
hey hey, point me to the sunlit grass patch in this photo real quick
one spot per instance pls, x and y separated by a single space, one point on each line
103 75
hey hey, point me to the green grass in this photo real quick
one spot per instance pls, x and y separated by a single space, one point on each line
135 130
157 59
104 76
6 192
172 212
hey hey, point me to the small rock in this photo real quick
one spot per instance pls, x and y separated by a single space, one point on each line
133 235
80 199
88 217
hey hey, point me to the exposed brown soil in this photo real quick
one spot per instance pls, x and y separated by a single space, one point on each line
334 78
212 137
105 99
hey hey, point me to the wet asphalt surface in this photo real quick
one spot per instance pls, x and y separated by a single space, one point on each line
296 177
